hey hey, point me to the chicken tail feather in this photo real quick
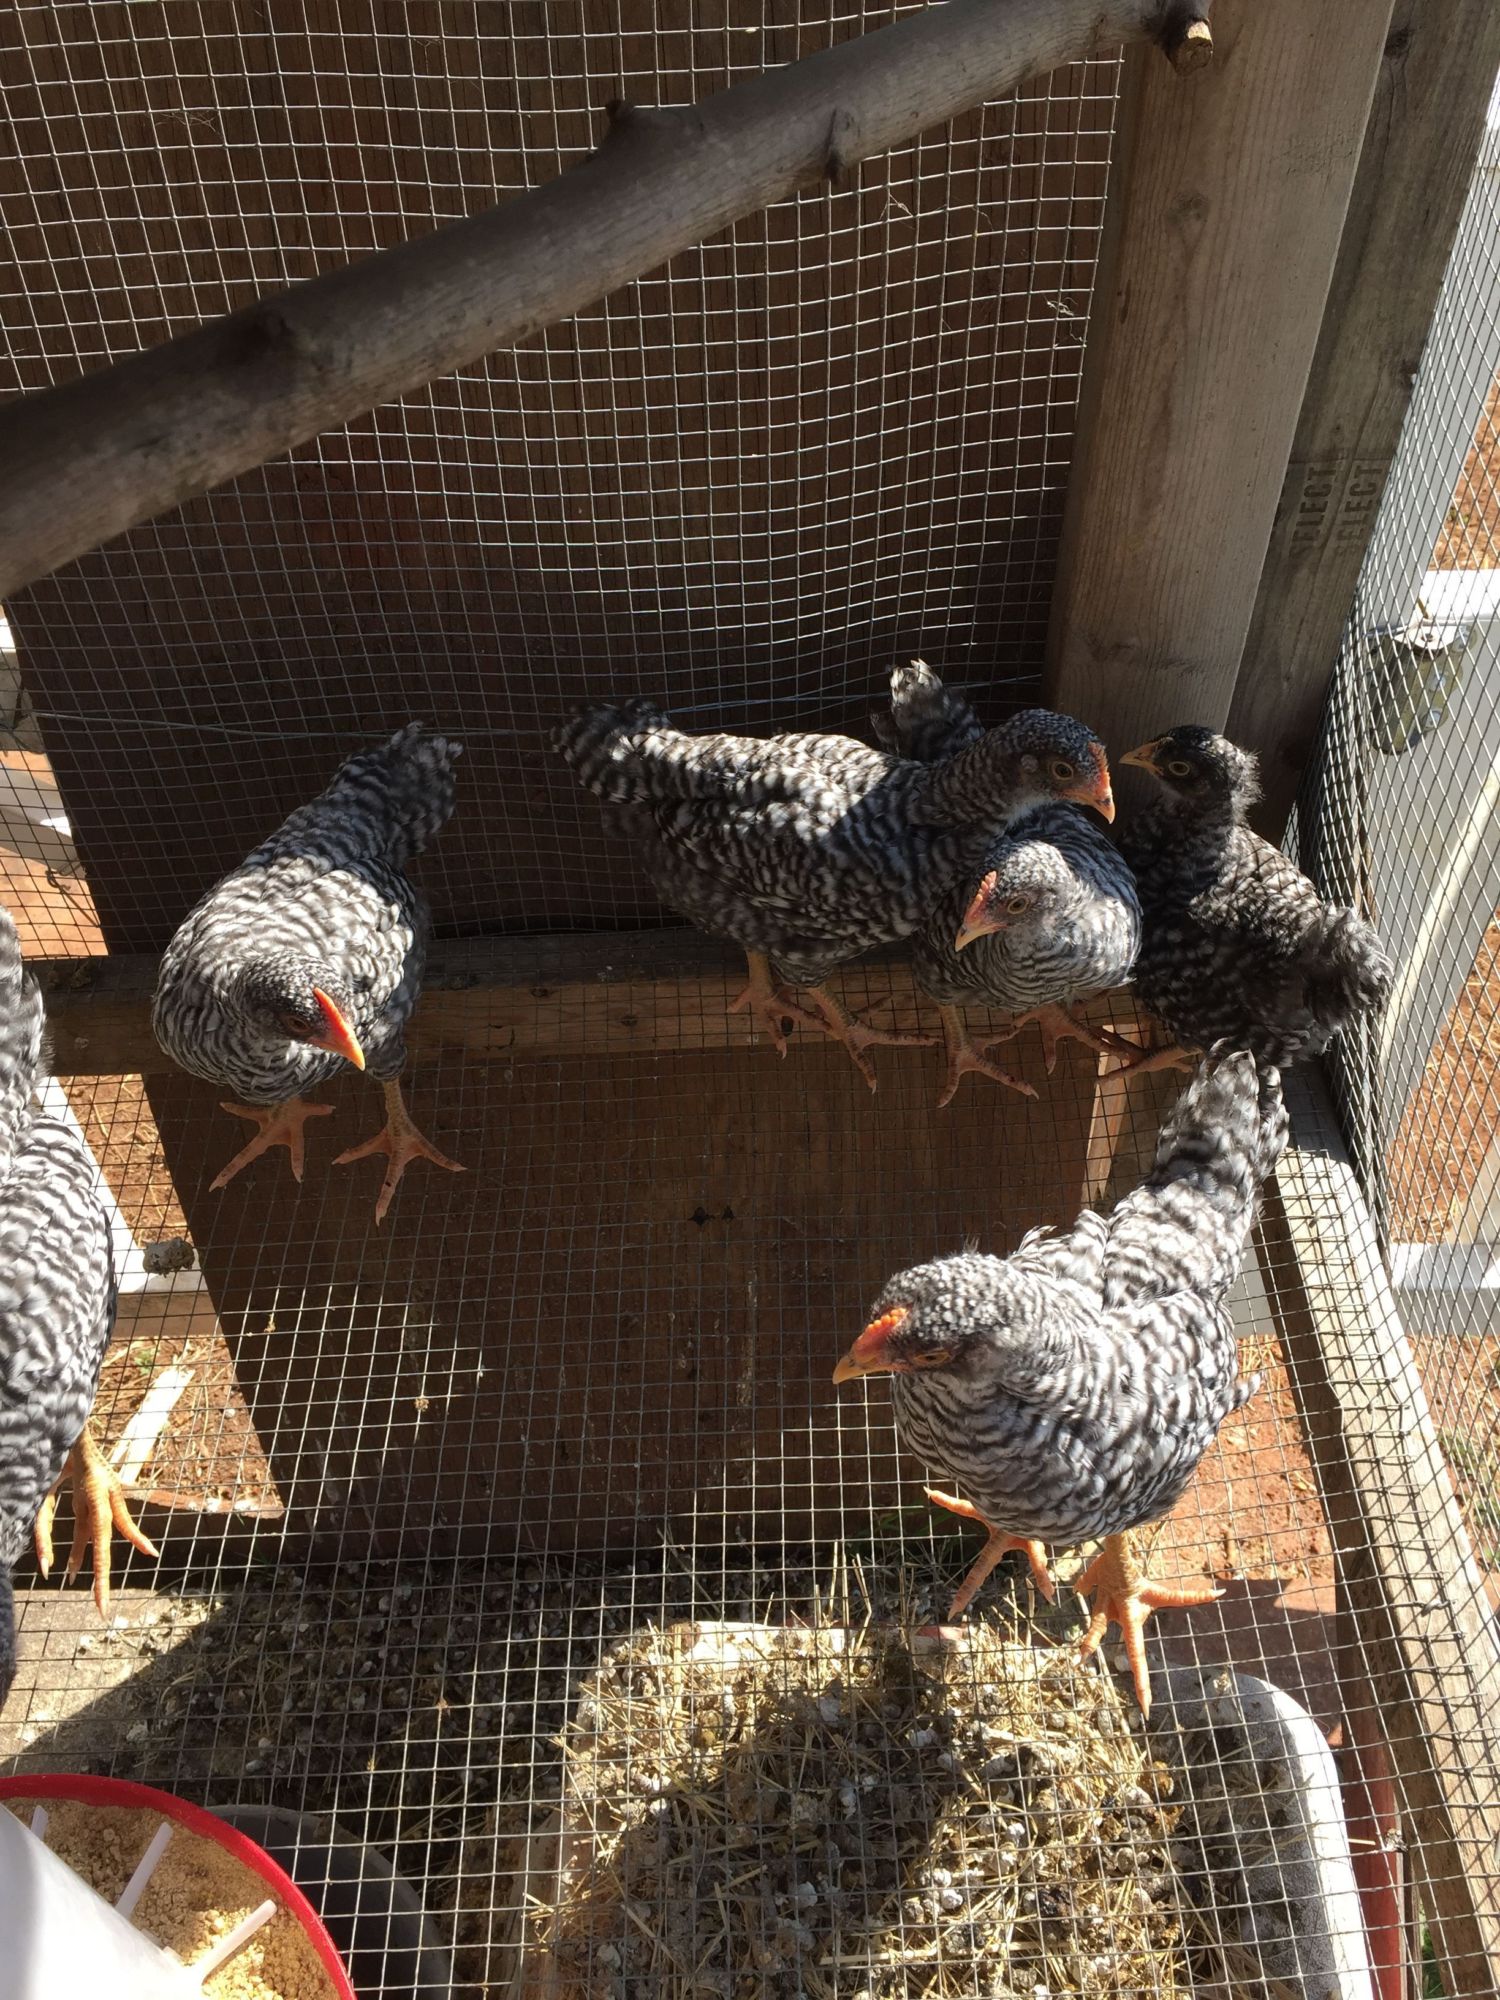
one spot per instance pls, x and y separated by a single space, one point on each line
1186 1226
621 751
399 796
926 722
1347 970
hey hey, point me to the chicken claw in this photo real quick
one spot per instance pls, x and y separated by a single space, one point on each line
280 1126
999 1544
400 1140
99 1506
857 1035
1143 1061
1124 1595
965 1054
1060 1024
769 1004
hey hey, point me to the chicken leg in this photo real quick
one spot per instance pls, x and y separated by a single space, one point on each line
400 1140
99 1506
1125 1595
280 1126
1141 1062
964 1054
768 1002
999 1544
857 1036
1061 1024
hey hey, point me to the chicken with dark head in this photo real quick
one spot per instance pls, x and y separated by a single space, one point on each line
57 1311
1236 942
310 954
1069 1391
808 850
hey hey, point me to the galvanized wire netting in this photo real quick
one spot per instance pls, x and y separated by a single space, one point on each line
1402 816
413 1485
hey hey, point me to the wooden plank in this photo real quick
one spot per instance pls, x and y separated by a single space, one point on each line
584 993
1425 1635
1424 134
97 455
473 556
624 1315
1228 203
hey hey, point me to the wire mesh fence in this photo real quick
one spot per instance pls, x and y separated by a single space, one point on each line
416 1489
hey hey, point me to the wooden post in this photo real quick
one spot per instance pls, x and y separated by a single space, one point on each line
1227 208
91 458
1424 134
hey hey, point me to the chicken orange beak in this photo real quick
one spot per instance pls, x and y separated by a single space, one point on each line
871 1353
1096 792
977 921
339 1038
1144 756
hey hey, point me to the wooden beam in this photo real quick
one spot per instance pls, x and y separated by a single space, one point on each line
1426 1639
1225 214
1423 137
585 993
91 458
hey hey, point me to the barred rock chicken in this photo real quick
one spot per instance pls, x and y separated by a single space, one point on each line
807 850
57 1311
1069 1391
1236 942
1050 919
310 954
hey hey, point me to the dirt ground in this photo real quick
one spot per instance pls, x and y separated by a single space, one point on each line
1471 533
1437 1153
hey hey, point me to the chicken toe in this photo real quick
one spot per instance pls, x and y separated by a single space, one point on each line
857 1036
1125 1596
999 1544
769 1004
400 1140
99 1507
280 1126
1060 1024
965 1054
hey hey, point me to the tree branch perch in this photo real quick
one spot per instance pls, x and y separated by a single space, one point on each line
87 460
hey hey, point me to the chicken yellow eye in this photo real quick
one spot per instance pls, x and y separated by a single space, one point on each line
1179 768
1018 906
1061 769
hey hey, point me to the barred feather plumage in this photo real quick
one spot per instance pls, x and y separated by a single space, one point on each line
323 901
810 848
1236 942
1085 1376
57 1280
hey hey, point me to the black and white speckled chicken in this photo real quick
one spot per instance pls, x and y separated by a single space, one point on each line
807 850
1069 1391
57 1310
310 954
1048 919
1052 921
1236 942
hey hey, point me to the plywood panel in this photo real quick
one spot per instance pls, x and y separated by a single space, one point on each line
623 1319
750 483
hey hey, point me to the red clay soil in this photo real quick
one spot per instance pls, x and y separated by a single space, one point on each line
1453 1114
1471 533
